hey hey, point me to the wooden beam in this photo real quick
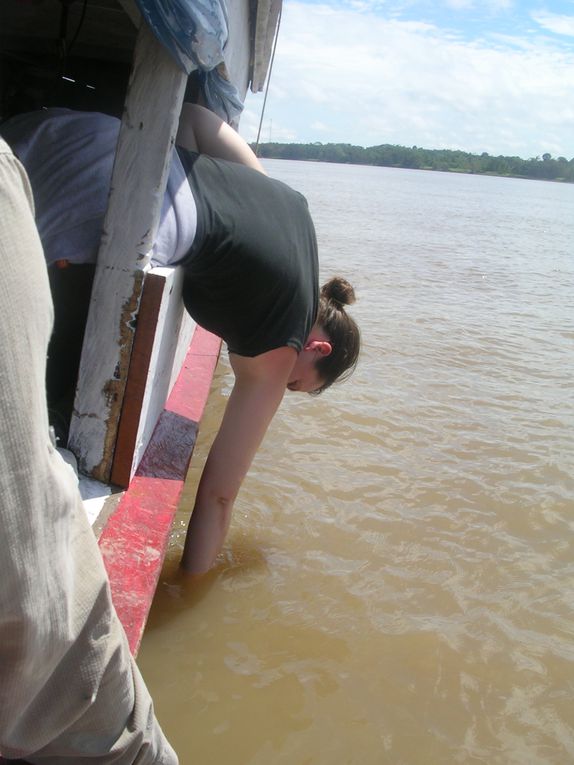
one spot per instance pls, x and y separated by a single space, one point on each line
164 331
267 16
143 156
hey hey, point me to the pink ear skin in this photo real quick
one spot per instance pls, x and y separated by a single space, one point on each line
323 347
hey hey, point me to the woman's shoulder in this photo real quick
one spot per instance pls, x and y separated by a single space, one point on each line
273 365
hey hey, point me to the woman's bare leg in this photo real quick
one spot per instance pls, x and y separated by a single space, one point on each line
203 131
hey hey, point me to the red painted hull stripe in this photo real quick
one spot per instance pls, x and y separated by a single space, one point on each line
135 538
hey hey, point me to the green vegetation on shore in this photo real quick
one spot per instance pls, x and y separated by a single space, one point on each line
386 155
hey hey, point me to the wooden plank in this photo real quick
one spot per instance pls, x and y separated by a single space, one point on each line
150 304
164 331
173 336
134 541
147 135
238 49
265 30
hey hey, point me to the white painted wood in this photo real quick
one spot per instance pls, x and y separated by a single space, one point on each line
139 177
173 334
184 338
265 28
237 50
94 495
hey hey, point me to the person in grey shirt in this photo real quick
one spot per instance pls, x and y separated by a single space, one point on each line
70 691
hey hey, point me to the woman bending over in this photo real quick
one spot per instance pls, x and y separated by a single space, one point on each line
248 248
252 278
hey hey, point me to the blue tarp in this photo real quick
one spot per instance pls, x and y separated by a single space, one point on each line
195 32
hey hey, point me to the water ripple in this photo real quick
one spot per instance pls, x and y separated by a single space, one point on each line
398 586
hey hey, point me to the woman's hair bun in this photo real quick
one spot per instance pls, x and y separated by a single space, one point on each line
339 291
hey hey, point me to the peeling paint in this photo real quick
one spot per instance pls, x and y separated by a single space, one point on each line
108 390
113 390
83 415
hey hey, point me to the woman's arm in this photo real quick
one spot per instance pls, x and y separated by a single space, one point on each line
203 131
259 387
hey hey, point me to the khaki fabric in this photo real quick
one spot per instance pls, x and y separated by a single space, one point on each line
69 689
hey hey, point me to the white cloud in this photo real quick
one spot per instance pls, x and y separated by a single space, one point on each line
458 5
370 80
271 130
560 25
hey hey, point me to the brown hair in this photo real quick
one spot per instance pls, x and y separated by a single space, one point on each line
342 331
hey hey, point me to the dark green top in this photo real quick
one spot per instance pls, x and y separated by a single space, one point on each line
251 276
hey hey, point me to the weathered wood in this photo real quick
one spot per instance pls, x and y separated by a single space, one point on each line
267 15
137 379
237 50
138 183
162 338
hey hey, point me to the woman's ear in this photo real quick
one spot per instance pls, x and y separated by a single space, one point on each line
323 347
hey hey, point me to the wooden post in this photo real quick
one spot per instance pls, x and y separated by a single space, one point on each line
147 135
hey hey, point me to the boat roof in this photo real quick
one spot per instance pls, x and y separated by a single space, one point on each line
92 42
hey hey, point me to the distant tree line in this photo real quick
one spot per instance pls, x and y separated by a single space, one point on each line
387 155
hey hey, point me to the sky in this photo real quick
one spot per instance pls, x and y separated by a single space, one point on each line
492 76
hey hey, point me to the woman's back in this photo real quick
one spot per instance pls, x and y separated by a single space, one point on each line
252 273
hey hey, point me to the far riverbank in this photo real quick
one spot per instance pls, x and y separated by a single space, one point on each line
415 158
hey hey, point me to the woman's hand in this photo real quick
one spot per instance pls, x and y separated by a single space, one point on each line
259 387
